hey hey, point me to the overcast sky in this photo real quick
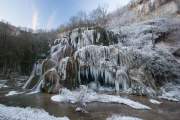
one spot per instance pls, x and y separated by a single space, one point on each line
48 14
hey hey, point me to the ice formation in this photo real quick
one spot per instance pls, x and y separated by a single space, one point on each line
62 67
127 58
154 101
84 96
170 92
10 93
119 117
17 113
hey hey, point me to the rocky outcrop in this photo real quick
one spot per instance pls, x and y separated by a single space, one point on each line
144 7
141 10
51 82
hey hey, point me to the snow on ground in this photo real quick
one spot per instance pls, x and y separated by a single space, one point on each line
119 117
16 113
10 93
90 96
154 101
170 92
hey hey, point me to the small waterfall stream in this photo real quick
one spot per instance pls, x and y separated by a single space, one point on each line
35 80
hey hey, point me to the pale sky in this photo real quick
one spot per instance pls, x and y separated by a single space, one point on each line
48 14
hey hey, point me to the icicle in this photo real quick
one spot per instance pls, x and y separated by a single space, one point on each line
117 86
121 79
62 67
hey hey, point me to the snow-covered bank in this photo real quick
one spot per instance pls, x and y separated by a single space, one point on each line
118 117
90 96
16 113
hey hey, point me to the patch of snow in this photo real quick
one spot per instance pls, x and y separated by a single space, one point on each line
106 89
119 117
3 86
170 92
79 109
169 97
154 101
10 93
2 83
17 113
90 96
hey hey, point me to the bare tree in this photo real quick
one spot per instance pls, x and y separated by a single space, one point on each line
99 16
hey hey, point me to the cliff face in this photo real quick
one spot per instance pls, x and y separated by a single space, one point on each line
155 7
140 58
141 10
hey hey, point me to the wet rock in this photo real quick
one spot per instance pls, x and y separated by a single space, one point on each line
177 53
47 65
162 70
68 71
51 82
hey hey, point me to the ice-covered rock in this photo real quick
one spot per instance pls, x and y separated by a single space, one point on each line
119 117
10 93
170 92
89 96
154 101
127 58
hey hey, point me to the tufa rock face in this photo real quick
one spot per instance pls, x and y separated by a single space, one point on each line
137 63
68 71
47 65
139 58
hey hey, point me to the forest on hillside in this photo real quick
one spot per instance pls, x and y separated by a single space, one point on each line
20 48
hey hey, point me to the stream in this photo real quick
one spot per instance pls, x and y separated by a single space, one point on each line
167 110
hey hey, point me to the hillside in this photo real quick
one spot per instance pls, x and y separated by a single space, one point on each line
20 48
